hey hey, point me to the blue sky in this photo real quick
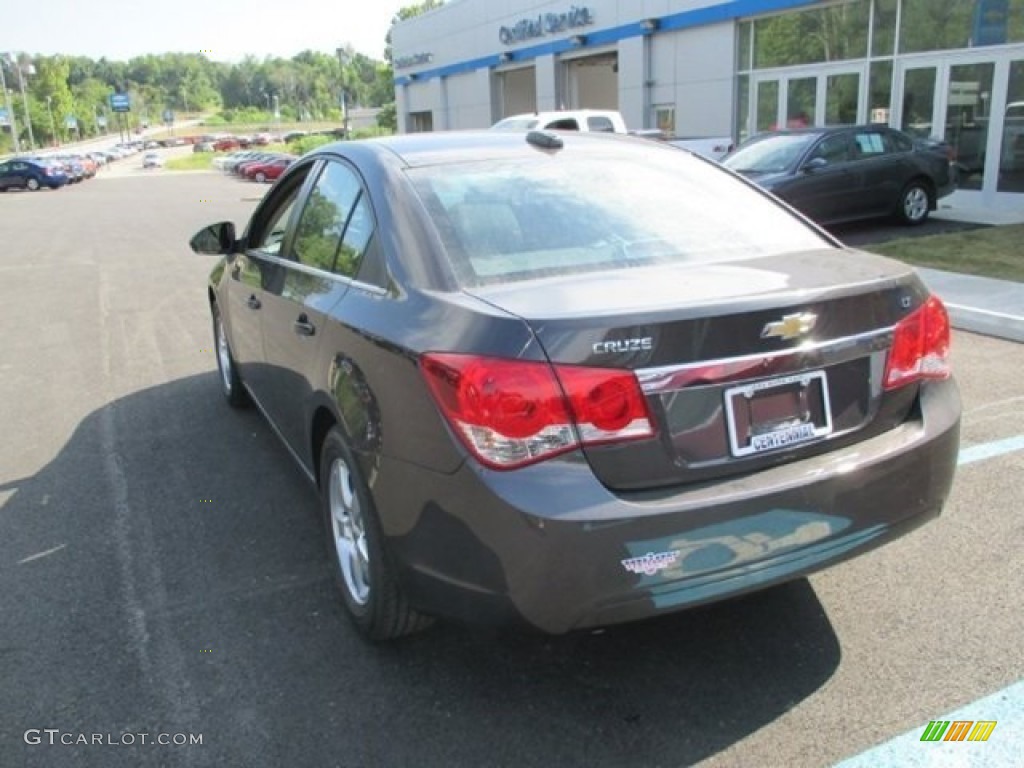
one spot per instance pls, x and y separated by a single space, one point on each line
225 29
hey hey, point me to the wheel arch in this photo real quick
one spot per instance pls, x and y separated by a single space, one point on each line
323 421
929 186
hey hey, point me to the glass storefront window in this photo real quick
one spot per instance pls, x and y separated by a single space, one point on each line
743 108
800 98
665 118
930 25
967 120
767 105
834 33
841 99
883 30
879 91
918 101
1011 154
745 37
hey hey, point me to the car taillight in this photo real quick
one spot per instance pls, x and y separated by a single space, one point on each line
920 346
511 413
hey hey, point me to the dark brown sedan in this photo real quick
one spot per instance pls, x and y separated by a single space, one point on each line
571 380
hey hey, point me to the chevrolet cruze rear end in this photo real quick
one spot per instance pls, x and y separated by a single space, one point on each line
572 381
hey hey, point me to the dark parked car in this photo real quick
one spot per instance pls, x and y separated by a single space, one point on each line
556 379
841 174
30 174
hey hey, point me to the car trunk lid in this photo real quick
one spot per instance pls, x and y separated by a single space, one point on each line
744 364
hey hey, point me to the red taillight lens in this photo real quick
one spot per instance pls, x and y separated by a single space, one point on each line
511 413
920 346
607 405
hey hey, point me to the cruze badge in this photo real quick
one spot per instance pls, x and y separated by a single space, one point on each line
790 327
652 562
624 345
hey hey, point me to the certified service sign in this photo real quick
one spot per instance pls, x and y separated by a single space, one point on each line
546 24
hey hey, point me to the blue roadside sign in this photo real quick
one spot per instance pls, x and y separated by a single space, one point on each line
120 102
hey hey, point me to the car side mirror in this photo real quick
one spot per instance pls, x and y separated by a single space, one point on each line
815 164
215 240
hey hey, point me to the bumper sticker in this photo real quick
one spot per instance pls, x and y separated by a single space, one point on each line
651 563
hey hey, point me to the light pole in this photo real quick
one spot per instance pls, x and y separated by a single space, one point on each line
53 126
10 112
24 97
343 60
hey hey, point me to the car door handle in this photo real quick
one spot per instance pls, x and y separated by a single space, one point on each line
254 303
303 327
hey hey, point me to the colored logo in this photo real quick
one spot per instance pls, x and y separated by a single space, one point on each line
958 730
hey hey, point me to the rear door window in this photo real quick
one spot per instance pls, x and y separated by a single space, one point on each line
868 144
336 223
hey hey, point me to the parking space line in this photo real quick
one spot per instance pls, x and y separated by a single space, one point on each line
990 450
1004 746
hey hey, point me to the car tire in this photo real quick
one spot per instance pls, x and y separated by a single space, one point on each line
230 382
261 177
362 569
915 203
32 184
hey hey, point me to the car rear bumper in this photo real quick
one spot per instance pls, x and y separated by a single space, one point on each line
550 546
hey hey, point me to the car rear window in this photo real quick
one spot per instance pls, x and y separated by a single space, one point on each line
583 209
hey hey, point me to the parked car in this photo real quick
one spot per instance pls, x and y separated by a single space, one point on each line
572 379
223 145
152 160
608 121
269 170
240 160
846 173
203 146
599 120
71 166
33 175
260 158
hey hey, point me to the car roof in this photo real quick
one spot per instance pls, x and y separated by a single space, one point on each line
447 147
821 130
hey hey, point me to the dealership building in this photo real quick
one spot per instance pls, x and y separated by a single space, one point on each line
953 69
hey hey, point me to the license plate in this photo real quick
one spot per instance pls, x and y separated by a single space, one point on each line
777 413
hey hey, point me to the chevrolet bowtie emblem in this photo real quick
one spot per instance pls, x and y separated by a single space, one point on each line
790 327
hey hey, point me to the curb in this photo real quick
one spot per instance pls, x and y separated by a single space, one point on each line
980 304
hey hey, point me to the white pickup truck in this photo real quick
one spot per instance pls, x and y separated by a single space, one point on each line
608 121
592 120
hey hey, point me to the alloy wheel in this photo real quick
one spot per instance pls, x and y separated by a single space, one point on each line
348 532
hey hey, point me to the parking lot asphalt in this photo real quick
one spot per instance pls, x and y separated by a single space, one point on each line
162 568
